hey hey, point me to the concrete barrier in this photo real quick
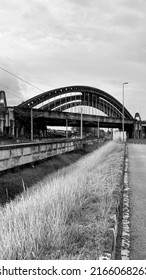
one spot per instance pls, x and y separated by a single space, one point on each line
20 154
24 153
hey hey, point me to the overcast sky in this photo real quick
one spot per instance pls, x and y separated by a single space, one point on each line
54 43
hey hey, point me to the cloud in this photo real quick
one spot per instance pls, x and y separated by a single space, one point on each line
62 42
11 86
133 5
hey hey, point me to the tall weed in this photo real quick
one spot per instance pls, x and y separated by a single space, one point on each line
41 218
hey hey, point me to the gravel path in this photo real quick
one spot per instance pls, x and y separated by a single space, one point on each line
137 183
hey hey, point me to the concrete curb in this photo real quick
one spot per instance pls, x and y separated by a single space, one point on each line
125 244
111 234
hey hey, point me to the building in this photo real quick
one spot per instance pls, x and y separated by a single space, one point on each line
7 121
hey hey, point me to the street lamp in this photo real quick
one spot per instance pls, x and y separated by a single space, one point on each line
123 108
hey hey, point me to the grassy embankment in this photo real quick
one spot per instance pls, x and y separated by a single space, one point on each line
12 183
66 216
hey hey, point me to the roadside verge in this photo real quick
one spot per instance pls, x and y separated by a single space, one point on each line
120 206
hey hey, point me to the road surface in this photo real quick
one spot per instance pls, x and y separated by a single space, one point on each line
137 183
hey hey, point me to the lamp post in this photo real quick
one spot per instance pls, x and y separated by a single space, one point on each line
123 109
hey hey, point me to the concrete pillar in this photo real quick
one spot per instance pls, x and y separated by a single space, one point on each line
66 128
1 125
7 120
22 130
81 122
17 132
98 127
13 128
31 124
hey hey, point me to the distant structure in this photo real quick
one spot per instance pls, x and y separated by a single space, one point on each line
7 121
19 121
138 130
139 127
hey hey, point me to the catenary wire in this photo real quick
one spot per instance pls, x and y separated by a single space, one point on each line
10 90
20 78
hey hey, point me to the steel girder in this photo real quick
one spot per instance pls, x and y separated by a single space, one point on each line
89 96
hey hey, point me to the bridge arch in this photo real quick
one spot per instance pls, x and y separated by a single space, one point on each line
70 96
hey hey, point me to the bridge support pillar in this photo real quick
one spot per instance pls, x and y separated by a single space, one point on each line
17 132
31 124
22 131
98 127
66 128
2 125
13 128
81 122
138 130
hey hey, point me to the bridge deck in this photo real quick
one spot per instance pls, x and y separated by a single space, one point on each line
59 118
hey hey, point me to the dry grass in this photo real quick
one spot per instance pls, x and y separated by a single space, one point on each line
11 183
66 217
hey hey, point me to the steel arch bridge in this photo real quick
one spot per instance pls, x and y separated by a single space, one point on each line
63 98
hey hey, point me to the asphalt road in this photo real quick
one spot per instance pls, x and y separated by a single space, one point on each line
137 183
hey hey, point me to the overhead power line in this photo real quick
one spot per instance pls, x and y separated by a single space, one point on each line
20 78
10 90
